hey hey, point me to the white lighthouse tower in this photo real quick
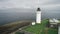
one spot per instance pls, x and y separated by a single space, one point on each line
38 15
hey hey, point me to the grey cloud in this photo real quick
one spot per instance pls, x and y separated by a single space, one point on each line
4 0
51 2
19 3
29 3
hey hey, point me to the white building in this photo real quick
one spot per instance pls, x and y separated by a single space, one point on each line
58 29
38 16
53 22
33 23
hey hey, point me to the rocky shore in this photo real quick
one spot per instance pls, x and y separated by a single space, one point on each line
8 28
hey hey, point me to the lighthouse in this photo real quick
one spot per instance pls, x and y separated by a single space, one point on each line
38 15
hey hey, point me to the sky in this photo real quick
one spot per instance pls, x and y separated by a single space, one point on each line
47 4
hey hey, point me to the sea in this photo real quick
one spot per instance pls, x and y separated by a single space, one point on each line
12 15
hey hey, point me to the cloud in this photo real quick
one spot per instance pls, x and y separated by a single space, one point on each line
29 3
3 0
18 3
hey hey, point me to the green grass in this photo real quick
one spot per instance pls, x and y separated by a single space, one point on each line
52 31
38 28
41 28
19 33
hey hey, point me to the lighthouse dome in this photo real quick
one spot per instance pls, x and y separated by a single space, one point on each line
38 9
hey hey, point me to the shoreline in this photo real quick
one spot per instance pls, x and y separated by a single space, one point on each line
16 22
13 26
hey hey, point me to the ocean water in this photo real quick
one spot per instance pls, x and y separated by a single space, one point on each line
51 14
11 15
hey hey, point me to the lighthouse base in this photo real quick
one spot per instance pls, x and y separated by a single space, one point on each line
38 22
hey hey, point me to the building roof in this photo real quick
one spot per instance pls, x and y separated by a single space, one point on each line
54 20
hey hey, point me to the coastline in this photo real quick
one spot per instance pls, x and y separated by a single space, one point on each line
11 27
16 22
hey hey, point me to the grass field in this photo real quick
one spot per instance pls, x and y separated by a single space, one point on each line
41 28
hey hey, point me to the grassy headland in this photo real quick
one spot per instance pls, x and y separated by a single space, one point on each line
41 28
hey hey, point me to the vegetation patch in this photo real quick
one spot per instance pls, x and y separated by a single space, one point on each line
41 28
19 33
